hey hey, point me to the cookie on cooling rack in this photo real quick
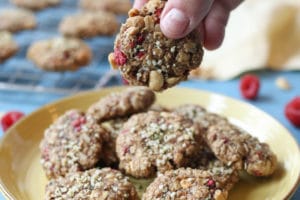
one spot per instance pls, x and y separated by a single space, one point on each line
122 104
14 20
89 24
35 4
186 184
8 47
156 141
103 183
72 143
115 6
146 57
60 54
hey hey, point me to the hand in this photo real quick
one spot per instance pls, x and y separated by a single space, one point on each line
180 17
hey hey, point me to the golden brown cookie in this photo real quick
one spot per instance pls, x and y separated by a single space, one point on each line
72 143
8 47
230 144
187 183
115 6
60 54
15 20
146 57
89 24
156 141
237 148
122 104
102 184
35 4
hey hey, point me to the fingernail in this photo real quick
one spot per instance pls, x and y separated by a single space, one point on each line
175 23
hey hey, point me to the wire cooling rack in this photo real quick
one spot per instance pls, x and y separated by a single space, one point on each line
18 73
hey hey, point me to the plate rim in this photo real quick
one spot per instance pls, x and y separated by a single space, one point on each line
7 194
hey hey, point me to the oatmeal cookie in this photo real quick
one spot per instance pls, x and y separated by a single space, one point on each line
72 143
115 6
260 161
112 128
8 47
35 4
60 54
182 184
93 184
230 144
146 57
156 141
89 24
237 148
122 104
14 20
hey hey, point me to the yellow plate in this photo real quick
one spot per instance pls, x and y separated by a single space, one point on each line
22 178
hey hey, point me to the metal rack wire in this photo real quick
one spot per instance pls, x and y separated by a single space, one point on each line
14 82
18 73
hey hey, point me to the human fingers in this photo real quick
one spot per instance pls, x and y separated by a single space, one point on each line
180 17
216 21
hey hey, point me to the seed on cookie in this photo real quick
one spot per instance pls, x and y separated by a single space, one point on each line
60 54
14 20
89 24
8 47
199 115
156 141
146 57
72 143
35 4
122 104
103 184
115 6
186 184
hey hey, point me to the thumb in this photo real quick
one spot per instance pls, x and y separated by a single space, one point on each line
180 17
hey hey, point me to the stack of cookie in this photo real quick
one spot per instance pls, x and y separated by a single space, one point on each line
189 152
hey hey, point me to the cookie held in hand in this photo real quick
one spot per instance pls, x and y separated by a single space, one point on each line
146 57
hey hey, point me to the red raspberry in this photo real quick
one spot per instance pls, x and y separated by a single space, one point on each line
140 39
120 57
292 111
249 86
10 118
140 54
211 183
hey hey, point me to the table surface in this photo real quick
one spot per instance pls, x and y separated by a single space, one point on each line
271 99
